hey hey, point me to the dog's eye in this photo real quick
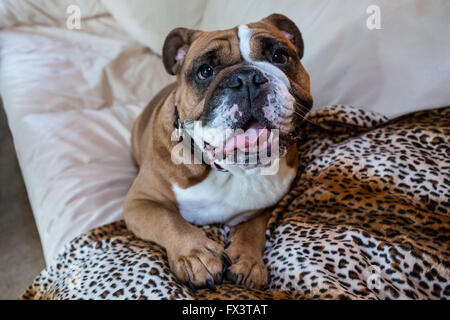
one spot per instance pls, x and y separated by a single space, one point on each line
205 71
280 56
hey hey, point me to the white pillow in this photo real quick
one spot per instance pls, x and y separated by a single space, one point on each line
401 68
44 12
149 21
71 104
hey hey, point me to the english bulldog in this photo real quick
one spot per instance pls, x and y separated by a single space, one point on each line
240 86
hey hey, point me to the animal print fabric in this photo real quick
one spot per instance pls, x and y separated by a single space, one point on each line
367 218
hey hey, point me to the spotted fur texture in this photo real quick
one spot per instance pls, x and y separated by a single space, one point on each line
371 202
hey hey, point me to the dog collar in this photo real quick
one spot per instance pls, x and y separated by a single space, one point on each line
178 126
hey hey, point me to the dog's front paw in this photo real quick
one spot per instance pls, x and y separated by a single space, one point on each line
247 267
198 262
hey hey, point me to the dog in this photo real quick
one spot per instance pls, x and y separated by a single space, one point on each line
250 81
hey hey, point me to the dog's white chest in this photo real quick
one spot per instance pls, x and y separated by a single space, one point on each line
231 199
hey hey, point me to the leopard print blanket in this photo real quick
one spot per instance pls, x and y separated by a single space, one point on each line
367 218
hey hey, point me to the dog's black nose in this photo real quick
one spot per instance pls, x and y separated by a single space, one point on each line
246 79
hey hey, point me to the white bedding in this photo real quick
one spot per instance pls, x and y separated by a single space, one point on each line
71 99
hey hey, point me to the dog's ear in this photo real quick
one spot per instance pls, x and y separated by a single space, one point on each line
175 49
289 29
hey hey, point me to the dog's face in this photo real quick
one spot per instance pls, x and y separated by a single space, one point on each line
242 85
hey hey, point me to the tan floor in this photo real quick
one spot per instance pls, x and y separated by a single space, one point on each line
21 256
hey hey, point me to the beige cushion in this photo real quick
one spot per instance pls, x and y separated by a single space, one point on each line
399 69
44 12
71 99
149 21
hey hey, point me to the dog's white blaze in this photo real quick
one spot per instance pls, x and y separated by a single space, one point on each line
232 199
245 35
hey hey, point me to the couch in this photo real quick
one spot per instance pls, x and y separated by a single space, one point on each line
71 95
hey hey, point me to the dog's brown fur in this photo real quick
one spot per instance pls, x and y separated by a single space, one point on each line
151 209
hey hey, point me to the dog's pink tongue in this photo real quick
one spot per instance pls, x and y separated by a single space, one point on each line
255 138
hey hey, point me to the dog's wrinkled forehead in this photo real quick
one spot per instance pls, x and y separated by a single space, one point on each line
243 43
215 48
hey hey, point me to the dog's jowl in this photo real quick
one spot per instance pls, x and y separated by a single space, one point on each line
233 114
